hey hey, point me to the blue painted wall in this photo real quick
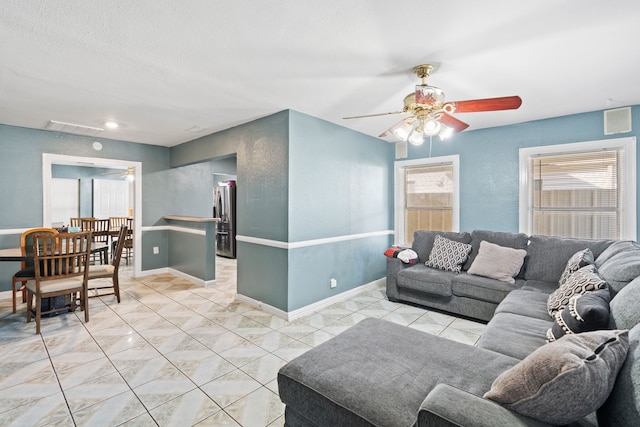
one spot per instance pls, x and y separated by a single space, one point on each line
302 178
21 152
261 151
489 163
339 185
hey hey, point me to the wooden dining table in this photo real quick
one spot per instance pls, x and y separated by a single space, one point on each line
15 254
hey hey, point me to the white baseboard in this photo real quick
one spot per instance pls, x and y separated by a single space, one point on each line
163 270
306 310
169 270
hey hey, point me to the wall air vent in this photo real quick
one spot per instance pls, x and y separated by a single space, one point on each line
73 128
617 121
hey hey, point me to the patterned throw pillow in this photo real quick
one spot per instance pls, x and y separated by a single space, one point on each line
448 254
576 262
587 312
584 280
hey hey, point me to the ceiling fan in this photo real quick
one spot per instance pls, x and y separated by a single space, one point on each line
129 173
430 115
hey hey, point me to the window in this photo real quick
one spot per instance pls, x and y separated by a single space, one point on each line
585 190
426 196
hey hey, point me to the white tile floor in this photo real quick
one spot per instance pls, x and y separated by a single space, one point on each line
174 354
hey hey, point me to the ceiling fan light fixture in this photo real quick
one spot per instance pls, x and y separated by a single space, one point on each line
403 131
431 127
417 136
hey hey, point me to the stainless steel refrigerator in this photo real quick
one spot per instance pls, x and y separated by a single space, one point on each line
224 208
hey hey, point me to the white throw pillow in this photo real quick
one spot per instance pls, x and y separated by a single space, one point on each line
497 262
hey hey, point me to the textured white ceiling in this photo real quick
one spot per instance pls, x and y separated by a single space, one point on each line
161 67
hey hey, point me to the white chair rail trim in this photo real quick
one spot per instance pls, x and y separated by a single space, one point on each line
315 242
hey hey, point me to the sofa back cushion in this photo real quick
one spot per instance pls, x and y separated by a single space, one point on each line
547 256
508 240
624 308
619 264
423 241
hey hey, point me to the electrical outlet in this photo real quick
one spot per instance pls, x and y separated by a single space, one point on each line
334 283
156 250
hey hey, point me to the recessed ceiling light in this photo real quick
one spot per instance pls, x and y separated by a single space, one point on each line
111 125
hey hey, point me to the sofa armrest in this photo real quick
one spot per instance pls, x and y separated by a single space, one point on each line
394 265
447 406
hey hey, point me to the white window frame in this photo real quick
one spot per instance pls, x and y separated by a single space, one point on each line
628 145
399 196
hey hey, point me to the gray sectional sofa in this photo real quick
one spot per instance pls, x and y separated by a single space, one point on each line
382 374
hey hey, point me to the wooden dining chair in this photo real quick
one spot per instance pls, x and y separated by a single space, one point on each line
27 271
115 222
128 243
108 271
101 238
62 268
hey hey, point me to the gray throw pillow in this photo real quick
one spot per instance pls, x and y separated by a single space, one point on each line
575 263
584 280
448 255
497 262
565 380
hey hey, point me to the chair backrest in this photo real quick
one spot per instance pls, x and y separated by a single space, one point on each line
116 221
88 224
26 242
75 222
101 231
61 256
117 252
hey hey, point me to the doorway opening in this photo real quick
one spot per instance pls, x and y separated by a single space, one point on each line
48 160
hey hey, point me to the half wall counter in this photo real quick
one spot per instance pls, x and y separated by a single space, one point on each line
192 247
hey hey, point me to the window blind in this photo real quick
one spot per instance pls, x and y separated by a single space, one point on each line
577 194
428 198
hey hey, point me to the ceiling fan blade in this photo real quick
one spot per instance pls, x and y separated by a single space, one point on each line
373 115
488 104
452 122
407 121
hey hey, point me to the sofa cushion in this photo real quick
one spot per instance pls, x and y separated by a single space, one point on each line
547 256
525 303
586 312
497 262
543 287
565 380
448 254
425 279
576 262
622 408
514 335
621 268
423 241
508 240
614 249
625 307
584 280
378 373
480 288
